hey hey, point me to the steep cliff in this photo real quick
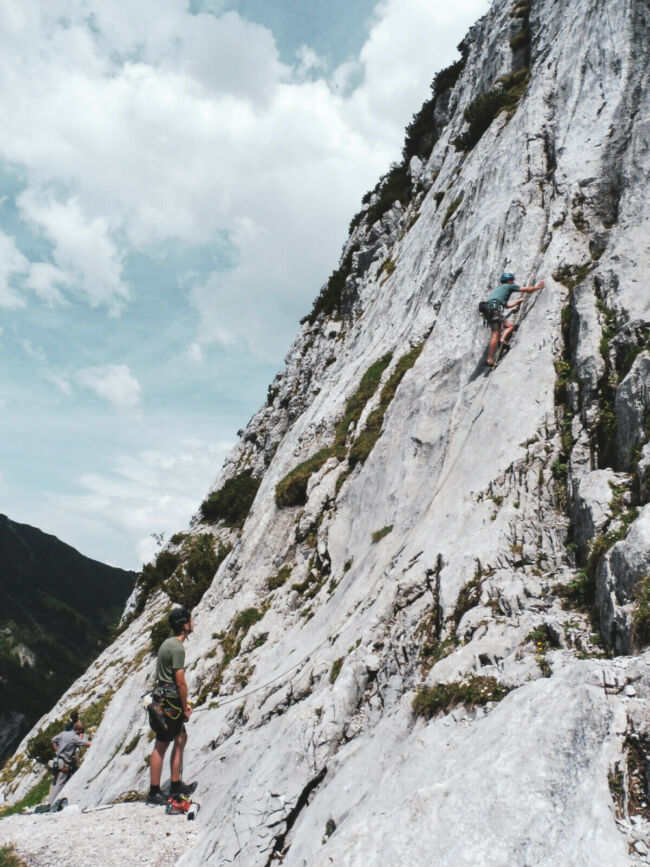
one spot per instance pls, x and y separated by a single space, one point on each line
399 659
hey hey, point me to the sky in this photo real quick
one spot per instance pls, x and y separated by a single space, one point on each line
176 182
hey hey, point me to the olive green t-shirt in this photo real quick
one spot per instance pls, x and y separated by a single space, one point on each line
171 657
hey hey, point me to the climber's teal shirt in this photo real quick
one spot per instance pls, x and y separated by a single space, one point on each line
503 292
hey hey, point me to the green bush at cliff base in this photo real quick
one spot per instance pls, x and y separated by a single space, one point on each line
232 502
471 692
33 798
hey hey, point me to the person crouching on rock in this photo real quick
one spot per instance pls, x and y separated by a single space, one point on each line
170 710
66 747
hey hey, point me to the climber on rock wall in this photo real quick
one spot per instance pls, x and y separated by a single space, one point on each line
494 308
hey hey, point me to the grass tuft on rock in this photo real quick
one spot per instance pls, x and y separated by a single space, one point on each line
473 691
366 440
292 489
378 535
337 665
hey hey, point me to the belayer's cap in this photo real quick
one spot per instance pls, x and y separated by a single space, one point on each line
178 617
507 276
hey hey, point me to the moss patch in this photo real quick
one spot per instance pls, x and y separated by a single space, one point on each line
8 857
378 535
366 440
572 275
132 744
292 489
451 210
641 615
473 691
337 665
280 577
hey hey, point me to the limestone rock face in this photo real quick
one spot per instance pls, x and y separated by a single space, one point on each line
396 657
620 572
633 408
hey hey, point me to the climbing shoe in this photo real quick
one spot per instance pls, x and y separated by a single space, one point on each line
182 788
159 799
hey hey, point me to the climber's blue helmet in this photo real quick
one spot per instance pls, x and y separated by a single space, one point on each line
506 276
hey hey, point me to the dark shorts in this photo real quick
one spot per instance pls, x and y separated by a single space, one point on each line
165 716
174 728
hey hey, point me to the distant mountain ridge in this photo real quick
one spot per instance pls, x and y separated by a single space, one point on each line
57 607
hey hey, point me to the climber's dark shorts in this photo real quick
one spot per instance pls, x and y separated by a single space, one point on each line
174 728
166 718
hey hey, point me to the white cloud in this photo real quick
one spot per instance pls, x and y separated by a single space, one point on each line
117 508
12 263
308 61
409 42
86 255
33 351
157 124
46 279
114 382
195 353
59 381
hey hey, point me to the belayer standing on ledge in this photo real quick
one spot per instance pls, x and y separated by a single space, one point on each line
66 747
170 710
493 310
